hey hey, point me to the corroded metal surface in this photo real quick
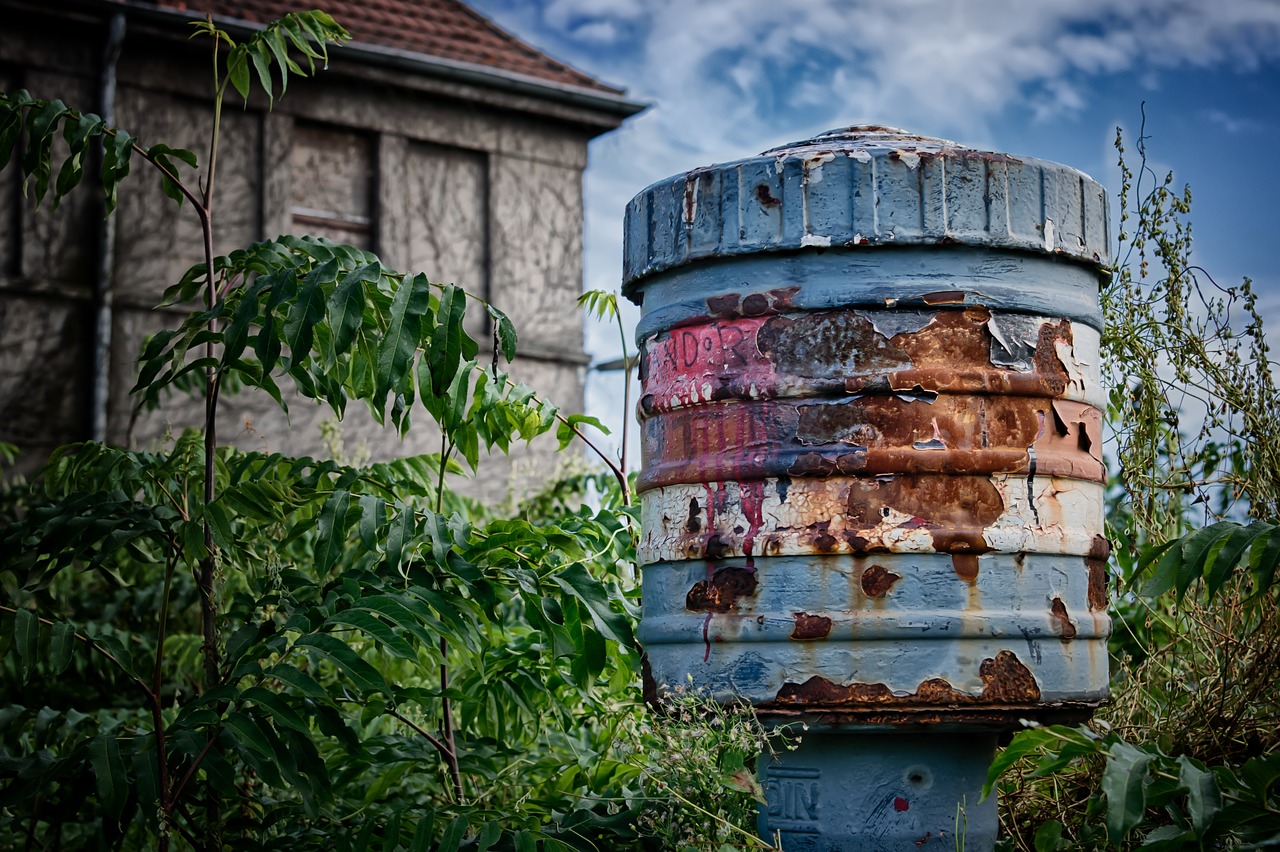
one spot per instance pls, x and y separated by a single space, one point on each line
872 488
891 791
853 189
864 635
910 513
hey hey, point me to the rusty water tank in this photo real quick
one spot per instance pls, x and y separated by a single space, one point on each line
872 482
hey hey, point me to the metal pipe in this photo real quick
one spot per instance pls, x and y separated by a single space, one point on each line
104 296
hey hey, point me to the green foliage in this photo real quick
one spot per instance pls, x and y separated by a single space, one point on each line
309 33
342 326
1173 802
210 648
1177 759
1178 345
1213 554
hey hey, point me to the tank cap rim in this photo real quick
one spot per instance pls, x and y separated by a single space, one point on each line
864 136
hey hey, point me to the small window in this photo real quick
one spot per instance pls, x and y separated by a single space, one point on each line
332 177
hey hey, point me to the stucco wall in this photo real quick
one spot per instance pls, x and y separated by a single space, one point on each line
486 198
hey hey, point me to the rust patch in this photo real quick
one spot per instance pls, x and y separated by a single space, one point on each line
765 197
1096 562
721 592
878 580
781 297
1007 681
823 539
819 690
716 547
944 297
648 687
965 565
695 520
696 183
820 344
826 423
935 690
956 509
1062 620
1097 584
955 337
723 306
869 435
963 154
1049 367
755 305
811 626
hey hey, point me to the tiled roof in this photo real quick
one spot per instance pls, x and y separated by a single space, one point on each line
442 28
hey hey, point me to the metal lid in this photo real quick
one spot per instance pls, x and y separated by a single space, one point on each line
860 187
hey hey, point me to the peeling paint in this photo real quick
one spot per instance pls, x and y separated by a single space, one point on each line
890 324
841 514
1014 340
835 352
910 158
873 495
935 443
813 166
901 432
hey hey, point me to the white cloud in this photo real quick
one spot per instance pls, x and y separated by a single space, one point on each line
599 32
1230 124
568 14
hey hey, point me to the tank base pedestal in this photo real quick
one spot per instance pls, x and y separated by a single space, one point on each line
870 790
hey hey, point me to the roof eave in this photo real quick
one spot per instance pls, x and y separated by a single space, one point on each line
612 107
609 103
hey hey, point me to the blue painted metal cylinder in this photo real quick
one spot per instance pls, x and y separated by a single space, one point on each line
892 791
872 481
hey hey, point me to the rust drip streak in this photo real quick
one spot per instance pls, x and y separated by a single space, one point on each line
752 498
706 639
1031 471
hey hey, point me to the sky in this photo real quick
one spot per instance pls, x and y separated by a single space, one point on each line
1039 78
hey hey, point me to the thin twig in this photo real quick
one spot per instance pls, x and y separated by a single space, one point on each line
177 791
446 707
618 474
439 746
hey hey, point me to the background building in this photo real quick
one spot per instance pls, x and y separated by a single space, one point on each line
436 139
